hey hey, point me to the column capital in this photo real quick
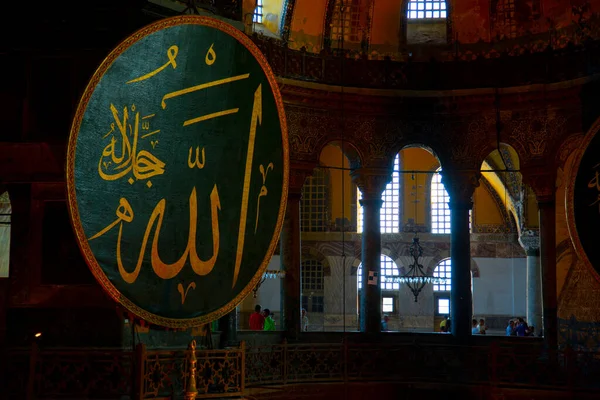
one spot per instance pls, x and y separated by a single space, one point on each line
371 181
298 174
530 240
542 181
460 186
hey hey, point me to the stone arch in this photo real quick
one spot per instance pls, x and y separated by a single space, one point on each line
444 255
426 190
384 252
348 148
287 15
353 157
512 184
507 213
408 144
312 253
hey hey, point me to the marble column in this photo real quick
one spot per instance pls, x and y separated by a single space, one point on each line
530 241
290 252
228 328
290 263
372 183
542 180
547 210
460 187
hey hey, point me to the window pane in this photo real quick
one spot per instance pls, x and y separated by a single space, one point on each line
313 208
388 304
443 270
389 270
390 209
440 214
422 6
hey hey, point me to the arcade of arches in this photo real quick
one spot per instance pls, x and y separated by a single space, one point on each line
457 121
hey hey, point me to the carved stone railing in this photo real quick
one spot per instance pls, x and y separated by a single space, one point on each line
81 373
522 365
140 374
485 66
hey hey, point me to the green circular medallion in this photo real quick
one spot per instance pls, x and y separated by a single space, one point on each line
177 170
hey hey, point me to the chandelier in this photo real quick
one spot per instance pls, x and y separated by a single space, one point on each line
269 274
416 278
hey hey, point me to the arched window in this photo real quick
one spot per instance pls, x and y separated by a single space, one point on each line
443 270
440 211
258 12
312 286
388 269
346 22
390 210
5 220
426 9
505 22
313 209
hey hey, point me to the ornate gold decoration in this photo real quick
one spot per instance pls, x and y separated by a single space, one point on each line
191 391
536 133
306 132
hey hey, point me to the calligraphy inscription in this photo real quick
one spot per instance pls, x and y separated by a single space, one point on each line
183 166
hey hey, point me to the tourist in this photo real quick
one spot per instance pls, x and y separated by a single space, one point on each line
482 327
510 329
269 324
304 321
474 327
521 327
444 325
384 323
257 320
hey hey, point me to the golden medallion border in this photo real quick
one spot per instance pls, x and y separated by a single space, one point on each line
71 194
570 197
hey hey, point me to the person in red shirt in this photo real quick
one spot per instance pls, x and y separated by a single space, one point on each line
257 320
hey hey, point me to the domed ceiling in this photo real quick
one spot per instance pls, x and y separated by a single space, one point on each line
397 28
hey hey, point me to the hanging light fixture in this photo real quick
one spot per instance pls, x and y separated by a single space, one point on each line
269 274
416 277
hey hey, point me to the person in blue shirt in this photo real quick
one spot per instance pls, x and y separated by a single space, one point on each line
384 323
474 328
510 329
521 327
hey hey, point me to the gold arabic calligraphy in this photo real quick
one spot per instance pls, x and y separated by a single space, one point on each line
171 55
113 166
263 190
125 213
